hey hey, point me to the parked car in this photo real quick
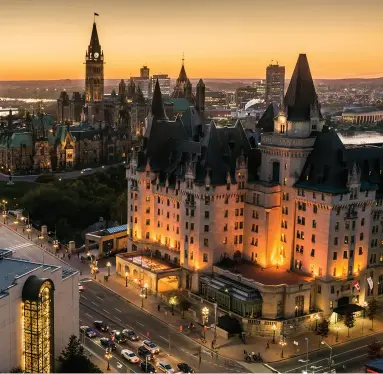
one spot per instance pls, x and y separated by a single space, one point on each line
130 356
130 334
185 368
165 367
90 333
101 325
153 348
144 353
106 342
147 367
118 336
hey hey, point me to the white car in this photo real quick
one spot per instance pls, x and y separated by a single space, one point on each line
81 287
87 169
151 347
165 367
130 356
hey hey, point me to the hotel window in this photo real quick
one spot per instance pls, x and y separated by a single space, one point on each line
337 226
236 212
191 256
331 304
345 255
284 181
314 224
147 198
135 219
158 224
241 212
167 227
235 239
334 272
147 222
192 212
191 240
360 251
159 212
135 208
336 240
346 240
206 228
224 240
226 214
315 209
148 185
206 242
177 230
313 252
240 239
227 200
241 225
147 210
236 226
178 217
352 239
256 215
225 227
347 225
338 211
353 225
168 202
187 211
335 255
313 238
285 196
167 215
332 289
147 235
319 289
206 214
285 210
205 257
178 205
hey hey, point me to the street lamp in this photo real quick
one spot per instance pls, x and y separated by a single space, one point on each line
173 301
146 290
108 264
365 304
325 343
274 328
142 295
337 328
316 317
108 356
126 279
283 344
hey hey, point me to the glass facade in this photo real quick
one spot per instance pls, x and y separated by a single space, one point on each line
38 331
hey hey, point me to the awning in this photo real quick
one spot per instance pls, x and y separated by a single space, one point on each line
348 308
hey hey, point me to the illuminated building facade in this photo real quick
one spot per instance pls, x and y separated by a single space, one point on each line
275 84
295 209
39 310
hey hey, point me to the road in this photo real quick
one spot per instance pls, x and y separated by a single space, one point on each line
99 303
66 175
352 355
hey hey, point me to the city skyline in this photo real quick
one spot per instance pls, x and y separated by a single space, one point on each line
242 38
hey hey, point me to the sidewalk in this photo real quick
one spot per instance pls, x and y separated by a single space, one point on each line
232 348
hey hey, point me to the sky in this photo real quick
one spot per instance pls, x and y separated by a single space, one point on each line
47 39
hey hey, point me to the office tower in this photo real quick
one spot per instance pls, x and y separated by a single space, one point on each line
275 84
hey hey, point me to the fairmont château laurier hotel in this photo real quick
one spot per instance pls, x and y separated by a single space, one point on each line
275 225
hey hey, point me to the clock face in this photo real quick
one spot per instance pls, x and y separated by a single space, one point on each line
96 55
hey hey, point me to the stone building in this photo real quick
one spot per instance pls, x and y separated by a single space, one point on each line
281 225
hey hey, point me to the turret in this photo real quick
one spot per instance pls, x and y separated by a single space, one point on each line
200 98
188 91
158 110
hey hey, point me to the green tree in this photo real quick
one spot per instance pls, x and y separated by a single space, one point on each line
119 208
323 328
349 322
73 359
372 309
374 349
16 369
184 305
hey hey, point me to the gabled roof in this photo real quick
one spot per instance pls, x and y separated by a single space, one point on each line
300 95
266 122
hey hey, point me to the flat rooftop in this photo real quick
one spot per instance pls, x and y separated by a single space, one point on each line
361 138
146 262
269 276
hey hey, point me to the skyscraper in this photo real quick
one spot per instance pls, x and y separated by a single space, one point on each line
144 72
275 84
164 81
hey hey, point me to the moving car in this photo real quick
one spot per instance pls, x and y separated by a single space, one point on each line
118 336
90 333
130 356
165 367
130 334
106 342
144 353
101 325
81 287
147 367
85 170
153 348
185 368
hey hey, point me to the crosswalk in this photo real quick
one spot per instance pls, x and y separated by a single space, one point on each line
18 246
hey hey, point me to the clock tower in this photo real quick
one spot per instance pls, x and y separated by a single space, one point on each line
94 77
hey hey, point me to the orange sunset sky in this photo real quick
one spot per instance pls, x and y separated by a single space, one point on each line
46 39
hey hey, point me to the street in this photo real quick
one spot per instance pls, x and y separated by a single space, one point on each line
67 175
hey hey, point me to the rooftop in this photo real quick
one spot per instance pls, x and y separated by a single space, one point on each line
361 138
361 109
151 263
114 230
269 276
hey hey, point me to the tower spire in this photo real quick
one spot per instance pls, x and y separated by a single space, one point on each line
158 110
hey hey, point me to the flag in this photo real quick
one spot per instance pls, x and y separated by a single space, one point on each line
370 282
356 285
96 14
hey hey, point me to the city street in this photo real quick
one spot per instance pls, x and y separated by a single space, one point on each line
66 175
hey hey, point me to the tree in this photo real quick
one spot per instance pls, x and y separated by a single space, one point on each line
323 328
16 369
73 359
349 322
372 309
184 305
374 349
